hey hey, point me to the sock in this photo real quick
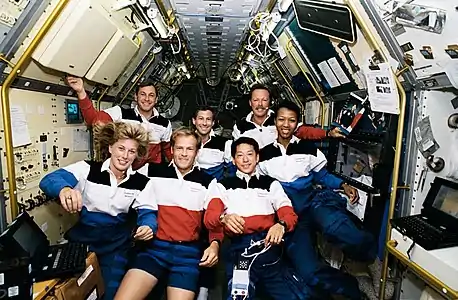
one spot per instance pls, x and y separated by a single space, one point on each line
203 294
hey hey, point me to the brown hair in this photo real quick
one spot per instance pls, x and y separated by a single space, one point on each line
107 134
143 84
185 131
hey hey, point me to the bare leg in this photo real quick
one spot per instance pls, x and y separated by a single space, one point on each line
137 284
174 293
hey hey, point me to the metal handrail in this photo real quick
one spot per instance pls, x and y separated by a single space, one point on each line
6 114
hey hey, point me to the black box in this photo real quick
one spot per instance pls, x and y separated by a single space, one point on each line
15 279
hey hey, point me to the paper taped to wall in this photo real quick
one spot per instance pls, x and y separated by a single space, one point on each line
19 126
80 140
382 90
338 71
328 74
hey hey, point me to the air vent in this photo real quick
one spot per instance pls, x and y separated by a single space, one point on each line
214 33
214 19
214 44
213 9
213 28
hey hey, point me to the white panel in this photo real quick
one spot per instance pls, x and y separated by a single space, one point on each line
73 44
437 106
441 263
438 42
113 59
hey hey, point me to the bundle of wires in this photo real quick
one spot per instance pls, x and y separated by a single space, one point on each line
260 33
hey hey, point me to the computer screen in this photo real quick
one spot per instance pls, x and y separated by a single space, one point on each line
447 201
357 161
27 238
72 111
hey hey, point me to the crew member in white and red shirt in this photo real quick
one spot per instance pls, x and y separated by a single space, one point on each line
144 113
253 208
181 193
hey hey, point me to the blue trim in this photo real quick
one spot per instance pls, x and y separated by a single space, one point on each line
93 218
54 182
327 179
216 171
147 217
231 169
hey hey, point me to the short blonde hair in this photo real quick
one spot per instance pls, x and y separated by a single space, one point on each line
107 134
185 131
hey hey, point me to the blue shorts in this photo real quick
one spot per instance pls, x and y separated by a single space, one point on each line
178 261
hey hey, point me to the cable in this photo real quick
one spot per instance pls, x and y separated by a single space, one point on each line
174 31
260 35
254 256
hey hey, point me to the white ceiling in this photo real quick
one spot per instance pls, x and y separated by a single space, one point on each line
214 29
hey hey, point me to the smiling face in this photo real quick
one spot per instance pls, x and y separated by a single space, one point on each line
259 102
203 122
286 123
184 152
246 158
123 153
146 98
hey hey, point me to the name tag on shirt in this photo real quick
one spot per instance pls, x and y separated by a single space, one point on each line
129 194
300 159
194 189
263 194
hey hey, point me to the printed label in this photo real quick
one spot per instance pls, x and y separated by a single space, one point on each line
92 295
85 275
13 291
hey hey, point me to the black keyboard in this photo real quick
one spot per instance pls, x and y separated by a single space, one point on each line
424 234
69 256
63 261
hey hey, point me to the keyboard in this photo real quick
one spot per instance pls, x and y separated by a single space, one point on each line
69 256
63 261
424 234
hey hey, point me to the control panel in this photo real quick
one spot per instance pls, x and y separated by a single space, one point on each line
43 142
10 10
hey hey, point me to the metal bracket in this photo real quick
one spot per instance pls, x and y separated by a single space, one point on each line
141 28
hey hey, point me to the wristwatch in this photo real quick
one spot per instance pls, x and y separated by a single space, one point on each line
221 217
283 223
217 241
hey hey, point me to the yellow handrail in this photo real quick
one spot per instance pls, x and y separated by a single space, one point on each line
6 115
317 93
373 43
3 58
101 96
438 285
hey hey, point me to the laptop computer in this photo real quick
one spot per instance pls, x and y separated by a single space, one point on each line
25 238
437 225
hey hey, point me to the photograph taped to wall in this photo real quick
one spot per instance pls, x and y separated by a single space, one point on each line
383 93
421 17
